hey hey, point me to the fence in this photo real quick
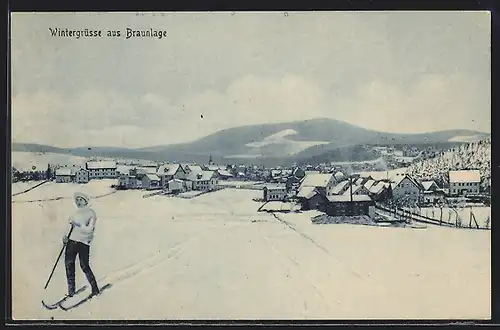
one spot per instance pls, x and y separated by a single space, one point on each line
408 214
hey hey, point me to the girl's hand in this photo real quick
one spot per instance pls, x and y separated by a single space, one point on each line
75 224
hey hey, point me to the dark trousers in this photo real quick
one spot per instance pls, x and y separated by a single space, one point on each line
83 251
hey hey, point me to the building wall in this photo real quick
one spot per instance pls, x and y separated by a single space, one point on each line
432 198
64 178
150 184
100 173
201 185
406 190
274 194
348 208
463 188
175 185
82 176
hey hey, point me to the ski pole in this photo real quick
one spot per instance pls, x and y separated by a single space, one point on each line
57 261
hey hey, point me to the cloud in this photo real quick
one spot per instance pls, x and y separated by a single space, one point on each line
101 117
434 102
385 71
110 118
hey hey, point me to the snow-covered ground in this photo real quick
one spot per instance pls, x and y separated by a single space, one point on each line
480 213
236 183
216 257
19 187
25 160
52 190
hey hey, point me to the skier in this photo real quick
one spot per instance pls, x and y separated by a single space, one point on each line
83 223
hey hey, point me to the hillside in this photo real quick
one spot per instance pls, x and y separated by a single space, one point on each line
472 155
298 140
268 144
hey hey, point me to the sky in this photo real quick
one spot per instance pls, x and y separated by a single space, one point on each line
404 72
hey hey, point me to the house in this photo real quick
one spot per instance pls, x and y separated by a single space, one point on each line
224 174
368 184
82 176
151 181
322 182
33 171
360 181
130 180
343 206
430 185
340 188
464 182
339 176
192 168
292 182
274 193
176 186
407 190
356 190
379 191
101 169
204 180
169 172
310 199
298 172
433 197
64 175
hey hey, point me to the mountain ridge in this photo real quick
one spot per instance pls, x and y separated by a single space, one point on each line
282 142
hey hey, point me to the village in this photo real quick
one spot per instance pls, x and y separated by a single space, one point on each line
344 193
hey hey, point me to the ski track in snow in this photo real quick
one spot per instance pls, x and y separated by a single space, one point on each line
320 247
296 264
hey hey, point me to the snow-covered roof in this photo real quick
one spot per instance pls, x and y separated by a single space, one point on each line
201 176
369 183
347 198
195 168
465 176
103 164
146 170
224 173
355 189
275 206
339 175
339 187
410 178
176 180
168 169
307 192
378 187
124 169
152 177
64 172
359 181
215 167
311 172
428 184
316 180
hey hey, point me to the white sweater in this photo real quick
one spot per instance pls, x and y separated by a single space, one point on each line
83 231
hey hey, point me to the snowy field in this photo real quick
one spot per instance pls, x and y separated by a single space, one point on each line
40 160
52 190
480 213
216 257
237 184
19 187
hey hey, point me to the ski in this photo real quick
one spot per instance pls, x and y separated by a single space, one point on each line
56 304
66 305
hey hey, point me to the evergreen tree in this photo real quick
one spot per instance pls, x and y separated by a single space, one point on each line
48 174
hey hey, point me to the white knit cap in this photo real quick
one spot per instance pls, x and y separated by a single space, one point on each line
82 195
